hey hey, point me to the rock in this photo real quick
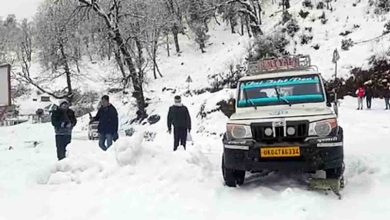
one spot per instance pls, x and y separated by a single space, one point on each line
153 119
129 132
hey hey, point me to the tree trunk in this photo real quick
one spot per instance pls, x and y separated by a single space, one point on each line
86 42
140 58
206 25
202 46
232 25
119 61
155 66
175 32
247 26
168 52
216 20
67 73
116 36
242 26
154 54
135 77
260 10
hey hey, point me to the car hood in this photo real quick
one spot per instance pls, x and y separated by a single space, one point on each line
261 113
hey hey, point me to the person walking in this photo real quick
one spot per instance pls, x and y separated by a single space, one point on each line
63 120
386 95
361 93
107 116
369 95
179 117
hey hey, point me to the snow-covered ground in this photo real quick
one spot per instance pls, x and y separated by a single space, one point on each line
360 20
142 179
138 179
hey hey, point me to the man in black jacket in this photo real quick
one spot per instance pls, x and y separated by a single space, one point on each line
108 123
63 120
179 117
369 95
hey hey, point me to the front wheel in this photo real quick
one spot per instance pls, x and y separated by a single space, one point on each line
232 177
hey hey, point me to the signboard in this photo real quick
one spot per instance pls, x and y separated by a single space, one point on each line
189 79
279 64
45 98
5 85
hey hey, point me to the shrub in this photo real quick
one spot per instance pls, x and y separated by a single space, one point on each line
346 44
307 4
320 5
292 28
306 39
304 14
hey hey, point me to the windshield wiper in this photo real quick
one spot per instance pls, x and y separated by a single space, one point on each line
250 100
281 97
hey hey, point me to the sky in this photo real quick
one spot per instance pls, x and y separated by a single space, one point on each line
21 8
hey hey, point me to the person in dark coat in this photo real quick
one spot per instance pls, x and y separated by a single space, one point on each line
63 119
179 117
108 123
369 95
386 95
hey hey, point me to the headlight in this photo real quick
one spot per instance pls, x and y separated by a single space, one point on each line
322 128
235 131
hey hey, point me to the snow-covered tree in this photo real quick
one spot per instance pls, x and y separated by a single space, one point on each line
251 9
58 43
197 18
9 32
116 15
175 21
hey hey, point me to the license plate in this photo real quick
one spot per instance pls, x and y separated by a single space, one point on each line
280 152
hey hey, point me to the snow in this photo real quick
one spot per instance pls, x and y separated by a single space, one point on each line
140 177
143 179
327 36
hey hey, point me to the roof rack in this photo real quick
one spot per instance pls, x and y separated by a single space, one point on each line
270 65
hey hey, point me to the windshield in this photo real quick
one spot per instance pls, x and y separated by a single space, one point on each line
278 91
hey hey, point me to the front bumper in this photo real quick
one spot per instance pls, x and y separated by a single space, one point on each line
315 154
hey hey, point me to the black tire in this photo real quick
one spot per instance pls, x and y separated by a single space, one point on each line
232 177
335 173
240 177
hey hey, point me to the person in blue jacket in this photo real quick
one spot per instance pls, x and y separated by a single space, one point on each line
108 123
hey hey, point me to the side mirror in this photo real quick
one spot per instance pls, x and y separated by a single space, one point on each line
232 106
331 97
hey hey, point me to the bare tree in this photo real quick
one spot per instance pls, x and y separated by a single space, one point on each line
112 20
175 8
58 45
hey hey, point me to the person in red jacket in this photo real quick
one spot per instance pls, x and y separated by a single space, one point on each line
361 93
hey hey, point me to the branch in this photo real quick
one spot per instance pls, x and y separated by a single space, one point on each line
28 80
372 39
92 4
